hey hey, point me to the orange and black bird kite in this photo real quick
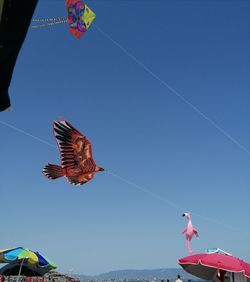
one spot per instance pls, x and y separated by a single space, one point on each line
77 163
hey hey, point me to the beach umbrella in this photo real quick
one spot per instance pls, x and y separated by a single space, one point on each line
207 265
24 254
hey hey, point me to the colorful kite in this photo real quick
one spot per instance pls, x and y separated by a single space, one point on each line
77 163
80 17
190 231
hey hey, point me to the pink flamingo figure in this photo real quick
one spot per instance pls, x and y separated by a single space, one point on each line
190 231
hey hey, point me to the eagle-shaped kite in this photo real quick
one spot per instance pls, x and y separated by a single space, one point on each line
77 163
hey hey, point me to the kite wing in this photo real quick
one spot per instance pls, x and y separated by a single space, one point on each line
184 231
196 232
80 17
75 150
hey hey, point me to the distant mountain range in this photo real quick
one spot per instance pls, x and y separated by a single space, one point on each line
162 273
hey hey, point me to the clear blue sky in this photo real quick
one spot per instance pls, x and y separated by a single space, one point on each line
139 130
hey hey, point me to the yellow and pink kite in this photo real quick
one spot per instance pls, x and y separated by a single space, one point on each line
79 18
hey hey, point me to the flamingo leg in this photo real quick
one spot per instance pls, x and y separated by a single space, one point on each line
188 245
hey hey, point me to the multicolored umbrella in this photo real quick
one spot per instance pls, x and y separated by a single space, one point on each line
19 253
206 265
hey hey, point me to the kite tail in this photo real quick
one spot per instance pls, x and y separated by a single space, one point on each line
49 19
49 24
53 171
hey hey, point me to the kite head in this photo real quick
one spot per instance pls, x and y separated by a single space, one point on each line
97 169
187 215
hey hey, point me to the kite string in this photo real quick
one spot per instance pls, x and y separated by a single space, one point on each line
156 196
27 134
163 199
140 63
173 91
129 182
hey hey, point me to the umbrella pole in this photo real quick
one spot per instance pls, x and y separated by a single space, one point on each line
20 269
